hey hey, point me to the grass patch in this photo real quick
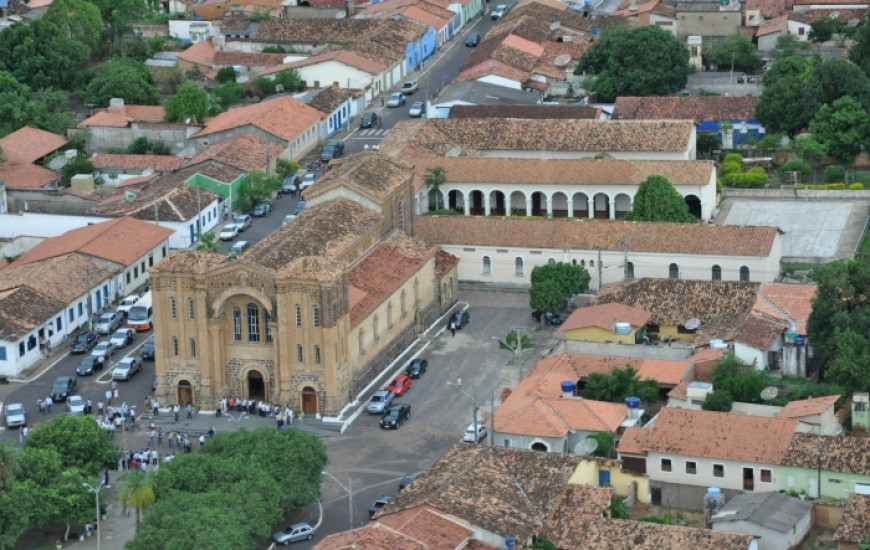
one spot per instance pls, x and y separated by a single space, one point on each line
790 267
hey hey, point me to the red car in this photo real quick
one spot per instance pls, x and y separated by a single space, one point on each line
400 385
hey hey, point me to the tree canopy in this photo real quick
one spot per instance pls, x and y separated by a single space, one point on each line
39 55
736 49
80 441
618 385
657 201
556 282
842 128
80 19
119 77
46 110
635 61
190 101
742 382
859 52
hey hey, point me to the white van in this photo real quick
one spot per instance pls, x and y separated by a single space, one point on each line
141 315
127 303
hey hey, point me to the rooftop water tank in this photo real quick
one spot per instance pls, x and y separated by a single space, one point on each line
568 388
622 328
714 492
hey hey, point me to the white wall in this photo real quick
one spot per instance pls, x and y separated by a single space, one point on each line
733 478
328 72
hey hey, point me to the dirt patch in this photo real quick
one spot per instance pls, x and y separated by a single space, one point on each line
677 517
819 539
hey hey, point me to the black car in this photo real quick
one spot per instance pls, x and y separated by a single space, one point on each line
472 39
379 503
407 480
395 415
148 349
550 318
368 120
84 342
63 387
416 368
300 206
460 319
88 366
331 150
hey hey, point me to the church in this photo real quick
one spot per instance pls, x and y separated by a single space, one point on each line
309 315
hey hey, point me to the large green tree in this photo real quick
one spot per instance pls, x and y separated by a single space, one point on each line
619 384
738 379
79 19
118 77
831 80
19 107
118 16
859 53
779 107
657 201
842 128
40 55
568 280
190 101
737 50
546 296
80 441
635 61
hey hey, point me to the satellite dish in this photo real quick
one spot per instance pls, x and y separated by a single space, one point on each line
692 323
58 162
555 25
833 429
769 393
585 447
562 60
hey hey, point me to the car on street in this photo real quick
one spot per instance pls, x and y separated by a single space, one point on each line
229 232
379 503
84 342
380 401
395 415
63 387
499 12
294 533
470 437
88 366
460 319
238 248
290 185
407 480
400 385
261 209
417 109
472 40
396 100
410 87
287 219
308 180
15 415
127 303
416 368
104 350
300 206
147 349
123 337
126 368
368 120
75 405
548 318
243 222
331 150
108 322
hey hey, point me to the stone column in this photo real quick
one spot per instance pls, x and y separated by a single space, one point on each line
549 207
528 205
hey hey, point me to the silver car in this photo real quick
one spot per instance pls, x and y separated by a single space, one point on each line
75 405
104 350
396 100
15 415
126 368
380 401
294 533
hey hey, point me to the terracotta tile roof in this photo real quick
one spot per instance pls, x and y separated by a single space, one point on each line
771 8
23 309
809 407
24 175
318 31
493 67
795 301
845 454
665 10
426 16
154 113
506 491
229 58
855 525
163 163
200 53
708 354
770 26
555 4
698 108
576 505
525 111
64 278
523 45
27 144
575 235
388 6
761 332
543 380
673 301
123 241
121 117
625 10
556 417
370 173
247 152
604 316
283 117
341 56
383 271
710 434
473 135
105 120
680 391
177 204
444 262
331 98
189 261
617 534
546 64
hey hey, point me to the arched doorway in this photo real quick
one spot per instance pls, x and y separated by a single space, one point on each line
184 393
456 201
518 204
436 200
622 205
539 204
539 446
694 204
477 206
581 205
601 203
560 205
256 385
309 400
497 204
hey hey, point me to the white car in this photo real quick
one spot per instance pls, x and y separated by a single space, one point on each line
288 218
15 415
469 436
308 180
126 368
108 322
229 232
104 350
122 337
75 405
499 12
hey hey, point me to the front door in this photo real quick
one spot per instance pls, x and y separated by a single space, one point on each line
184 393
256 386
748 479
309 400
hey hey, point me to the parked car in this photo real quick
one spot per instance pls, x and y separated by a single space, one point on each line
126 368
380 401
238 248
300 206
84 342
379 503
260 209
293 533
148 349
75 405
104 350
499 11
368 120
410 87
549 318
460 318
15 415
396 100
243 222
400 385
407 480
229 232
417 109
108 322
290 185
416 368
472 40
395 415
127 303
122 337
331 150
308 180
63 387
470 437
88 366
287 219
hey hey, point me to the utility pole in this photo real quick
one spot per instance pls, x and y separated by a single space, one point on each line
519 331
600 267
625 246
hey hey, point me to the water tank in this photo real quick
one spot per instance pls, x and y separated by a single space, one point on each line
622 328
714 492
510 542
568 388
633 404
714 501
717 344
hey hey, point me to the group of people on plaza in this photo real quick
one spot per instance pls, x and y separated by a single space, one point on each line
282 414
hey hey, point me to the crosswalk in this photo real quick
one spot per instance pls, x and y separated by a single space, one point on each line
371 133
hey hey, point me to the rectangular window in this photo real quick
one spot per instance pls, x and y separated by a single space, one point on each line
766 475
317 354
315 316
298 316
171 308
81 309
718 470
136 272
72 315
192 348
299 353
191 311
175 346
666 465
59 323
691 467
128 277
2 353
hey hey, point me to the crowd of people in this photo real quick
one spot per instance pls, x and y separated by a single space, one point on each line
284 415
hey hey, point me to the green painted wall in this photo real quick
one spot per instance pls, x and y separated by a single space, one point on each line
835 485
219 187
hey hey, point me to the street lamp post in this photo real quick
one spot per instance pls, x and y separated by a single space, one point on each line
473 397
96 492
348 490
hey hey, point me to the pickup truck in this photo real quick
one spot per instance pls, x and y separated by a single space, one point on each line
409 88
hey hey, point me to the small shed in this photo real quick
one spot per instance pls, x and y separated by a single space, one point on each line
780 521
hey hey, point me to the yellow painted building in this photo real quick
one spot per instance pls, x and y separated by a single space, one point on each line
605 323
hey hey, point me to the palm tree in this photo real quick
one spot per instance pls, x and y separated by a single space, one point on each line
136 492
434 178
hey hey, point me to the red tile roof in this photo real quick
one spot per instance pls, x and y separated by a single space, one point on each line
854 527
201 53
64 278
24 175
246 152
618 534
698 108
105 120
121 117
283 117
24 308
604 316
770 26
795 301
162 163
808 407
340 56
27 144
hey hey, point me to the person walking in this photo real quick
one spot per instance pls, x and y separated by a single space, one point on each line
109 397
159 437
41 405
175 410
268 209
189 411
48 403
151 435
89 406
99 408
170 439
452 328
201 441
155 406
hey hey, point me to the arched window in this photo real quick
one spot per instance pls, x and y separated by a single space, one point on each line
674 271
518 266
744 274
237 324
253 322
629 270
717 273
486 265
172 312
191 311
268 328
551 261
298 316
175 346
416 291
583 263
315 316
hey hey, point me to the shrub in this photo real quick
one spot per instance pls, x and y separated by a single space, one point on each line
734 157
754 177
730 167
835 173
795 166
857 186
719 400
835 186
226 74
